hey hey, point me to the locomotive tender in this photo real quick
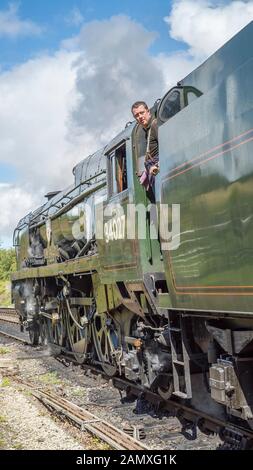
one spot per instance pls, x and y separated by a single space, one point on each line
178 322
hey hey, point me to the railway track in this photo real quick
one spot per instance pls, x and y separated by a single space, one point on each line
8 315
102 429
8 311
88 421
16 338
233 436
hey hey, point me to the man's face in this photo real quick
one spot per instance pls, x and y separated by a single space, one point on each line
142 115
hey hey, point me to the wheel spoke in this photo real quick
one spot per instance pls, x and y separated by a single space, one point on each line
105 347
78 332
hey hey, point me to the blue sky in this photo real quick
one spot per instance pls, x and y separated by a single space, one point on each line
54 17
70 69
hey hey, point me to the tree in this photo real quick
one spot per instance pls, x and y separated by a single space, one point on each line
7 262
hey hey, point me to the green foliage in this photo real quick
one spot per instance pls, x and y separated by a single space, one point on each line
7 266
18 446
50 378
4 350
5 293
5 382
100 444
2 442
7 263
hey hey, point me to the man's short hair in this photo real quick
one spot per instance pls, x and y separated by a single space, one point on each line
139 103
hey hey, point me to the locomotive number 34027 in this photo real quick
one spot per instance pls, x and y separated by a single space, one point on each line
114 229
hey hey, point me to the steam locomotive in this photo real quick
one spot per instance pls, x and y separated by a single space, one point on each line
171 313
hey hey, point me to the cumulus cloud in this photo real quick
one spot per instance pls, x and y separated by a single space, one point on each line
205 25
15 202
175 67
35 101
12 26
56 109
114 69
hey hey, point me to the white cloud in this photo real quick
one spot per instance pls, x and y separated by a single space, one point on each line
15 203
12 26
35 101
206 25
175 66
34 106
114 69
75 17
55 110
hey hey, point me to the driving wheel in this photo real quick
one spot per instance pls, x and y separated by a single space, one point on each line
106 341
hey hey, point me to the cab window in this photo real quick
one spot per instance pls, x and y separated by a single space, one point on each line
170 106
175 100
117 170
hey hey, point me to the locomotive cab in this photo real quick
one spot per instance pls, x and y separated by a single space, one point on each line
129 244
175 100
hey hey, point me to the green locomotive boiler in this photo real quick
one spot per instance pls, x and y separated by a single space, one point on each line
103 276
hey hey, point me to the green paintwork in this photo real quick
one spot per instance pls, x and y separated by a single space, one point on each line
118 259
164 301
207 167
78 266
127 259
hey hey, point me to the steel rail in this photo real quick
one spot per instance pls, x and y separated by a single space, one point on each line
182 410
9 319
17 338
90 422
192 415
8 311
9 315
85 420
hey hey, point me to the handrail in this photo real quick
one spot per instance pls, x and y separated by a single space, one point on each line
71 204
73 201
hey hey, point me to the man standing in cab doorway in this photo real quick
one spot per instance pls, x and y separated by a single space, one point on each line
148 123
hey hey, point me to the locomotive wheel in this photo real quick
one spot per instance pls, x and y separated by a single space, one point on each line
106 342
59 328
44 331
78 331
34 334
52 332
